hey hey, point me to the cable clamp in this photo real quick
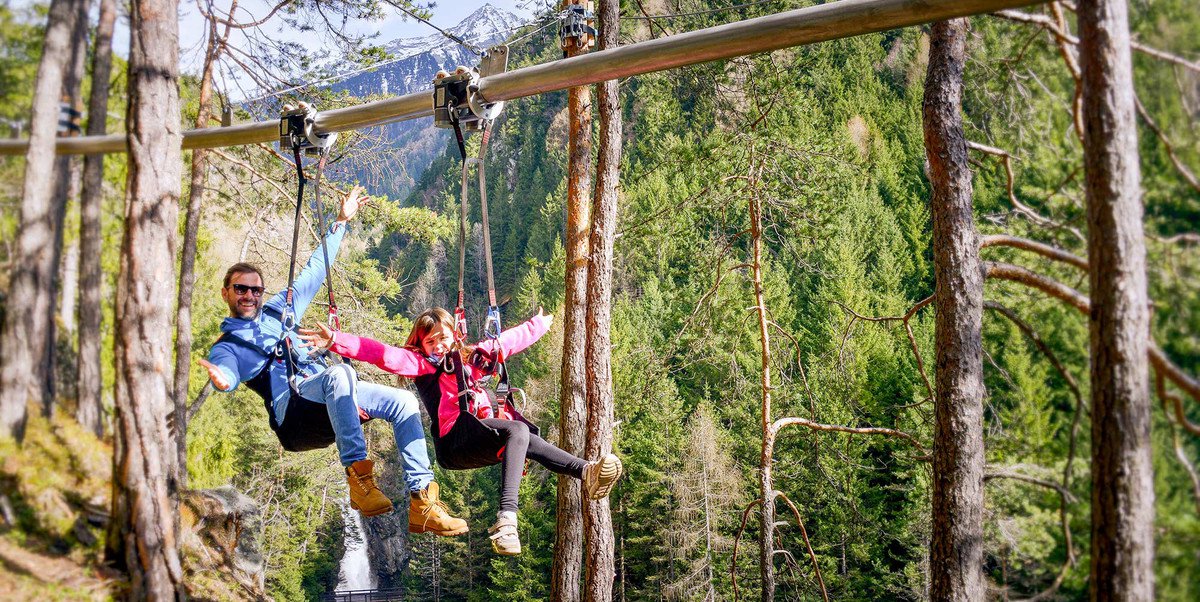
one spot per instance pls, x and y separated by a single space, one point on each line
297 129
578 28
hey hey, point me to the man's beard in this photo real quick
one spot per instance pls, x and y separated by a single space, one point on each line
245 313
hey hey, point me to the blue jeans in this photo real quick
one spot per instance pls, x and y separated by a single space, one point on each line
338 388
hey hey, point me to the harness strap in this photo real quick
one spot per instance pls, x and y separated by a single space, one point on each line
288 316
460 315
334 322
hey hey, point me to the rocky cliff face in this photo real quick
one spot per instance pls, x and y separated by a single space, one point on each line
220 531
404 150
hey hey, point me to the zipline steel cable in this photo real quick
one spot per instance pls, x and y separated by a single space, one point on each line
821 23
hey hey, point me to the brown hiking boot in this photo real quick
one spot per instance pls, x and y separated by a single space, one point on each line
427 513
364 495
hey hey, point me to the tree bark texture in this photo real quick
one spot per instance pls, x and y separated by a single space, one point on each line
146 496
23 372
66 187
187 255
1122 556
568 546
89 407
956 549
597 520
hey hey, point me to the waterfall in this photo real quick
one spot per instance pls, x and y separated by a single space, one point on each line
356 573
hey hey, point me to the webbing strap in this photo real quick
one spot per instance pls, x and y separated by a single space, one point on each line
288 316
334 322
483 206
460 314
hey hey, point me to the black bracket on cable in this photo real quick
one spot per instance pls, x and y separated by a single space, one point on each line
578 28
297 130
456 97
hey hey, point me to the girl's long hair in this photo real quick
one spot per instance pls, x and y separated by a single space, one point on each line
424 323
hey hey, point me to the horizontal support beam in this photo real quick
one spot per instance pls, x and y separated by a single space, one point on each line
810 25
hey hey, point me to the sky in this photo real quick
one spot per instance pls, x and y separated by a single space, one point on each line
446 14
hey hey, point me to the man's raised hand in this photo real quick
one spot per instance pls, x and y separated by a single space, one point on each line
216 375
350 204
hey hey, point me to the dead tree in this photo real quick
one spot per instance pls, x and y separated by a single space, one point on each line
24 375
597 520
568 546
956 549
89 408
1122 560
145 496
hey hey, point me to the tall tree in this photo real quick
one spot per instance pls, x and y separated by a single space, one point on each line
1122 473
24 376
66 187
89 408
568 546
145 495
766 540
956 549
597 520
187 259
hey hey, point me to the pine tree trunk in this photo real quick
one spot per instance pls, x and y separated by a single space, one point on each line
23 374
187 259
1122 559
89 408
146 495
568 546
597 520
766 542
66 187
956 550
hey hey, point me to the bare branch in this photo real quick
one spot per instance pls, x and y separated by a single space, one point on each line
804 533
778 426
1175 160
912 339
1016 476
1020 207
737 539
1045 250
1180 453
1065 497
1062 370
1079 301
1044 21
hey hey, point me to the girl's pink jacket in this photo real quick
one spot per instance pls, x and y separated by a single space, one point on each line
411 364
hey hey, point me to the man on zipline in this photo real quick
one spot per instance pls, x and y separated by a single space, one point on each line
311 405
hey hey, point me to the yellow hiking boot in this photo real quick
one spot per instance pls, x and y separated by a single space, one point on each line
364 495
427 513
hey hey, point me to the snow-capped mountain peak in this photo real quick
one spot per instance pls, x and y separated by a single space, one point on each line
486 26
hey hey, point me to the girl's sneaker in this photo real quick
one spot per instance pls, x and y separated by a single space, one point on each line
505 540
600 476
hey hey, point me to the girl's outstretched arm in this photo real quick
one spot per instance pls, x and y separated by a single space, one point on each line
397 360
516 339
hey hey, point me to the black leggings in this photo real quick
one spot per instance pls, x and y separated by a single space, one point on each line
519 444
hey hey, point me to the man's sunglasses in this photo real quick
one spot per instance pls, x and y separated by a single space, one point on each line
242 289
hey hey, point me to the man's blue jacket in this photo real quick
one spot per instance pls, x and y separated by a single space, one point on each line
240 363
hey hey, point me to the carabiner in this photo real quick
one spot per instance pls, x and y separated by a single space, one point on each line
491 326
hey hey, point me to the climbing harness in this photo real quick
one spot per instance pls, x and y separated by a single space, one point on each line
578 27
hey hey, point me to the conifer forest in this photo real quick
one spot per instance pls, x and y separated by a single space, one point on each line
881 300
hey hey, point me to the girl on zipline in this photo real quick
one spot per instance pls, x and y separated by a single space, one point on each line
467 433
